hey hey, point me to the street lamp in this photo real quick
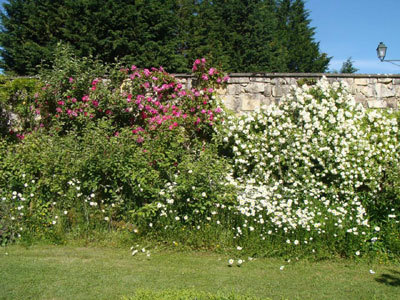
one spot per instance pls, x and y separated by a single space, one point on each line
381 51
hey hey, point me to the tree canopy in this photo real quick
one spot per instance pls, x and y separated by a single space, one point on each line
238 35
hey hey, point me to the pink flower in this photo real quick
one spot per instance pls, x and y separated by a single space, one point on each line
95 103
60 102
204 77
73 100
71 80
133 68
203 60
85 98
226 78
212 71
218 110
146 72
59 109
197 62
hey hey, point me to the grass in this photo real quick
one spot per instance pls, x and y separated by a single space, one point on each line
71 272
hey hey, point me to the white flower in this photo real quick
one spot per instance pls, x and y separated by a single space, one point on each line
239 262
143 250
296 242
54 222
372 271
281 268
239 248
230 262
204 194
134 252
377 228
357 253
106 218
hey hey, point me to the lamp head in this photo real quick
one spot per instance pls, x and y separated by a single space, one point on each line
381 51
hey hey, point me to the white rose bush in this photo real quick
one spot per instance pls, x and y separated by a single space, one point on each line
310 169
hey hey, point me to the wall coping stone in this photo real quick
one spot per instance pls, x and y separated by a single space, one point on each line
312 75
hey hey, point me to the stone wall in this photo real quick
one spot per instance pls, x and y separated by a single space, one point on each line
245 92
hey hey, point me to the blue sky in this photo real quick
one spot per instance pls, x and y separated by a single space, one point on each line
354 28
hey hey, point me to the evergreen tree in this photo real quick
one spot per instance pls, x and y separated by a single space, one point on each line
238 35
348 67
302 52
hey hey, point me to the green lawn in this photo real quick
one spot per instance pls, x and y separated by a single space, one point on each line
66 272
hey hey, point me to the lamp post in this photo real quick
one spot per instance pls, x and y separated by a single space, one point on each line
381 51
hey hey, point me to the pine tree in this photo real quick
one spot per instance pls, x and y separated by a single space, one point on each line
348 67
302 52
237 35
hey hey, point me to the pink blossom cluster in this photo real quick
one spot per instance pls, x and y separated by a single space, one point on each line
147 100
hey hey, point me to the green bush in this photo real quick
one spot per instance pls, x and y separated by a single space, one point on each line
17 99
314 167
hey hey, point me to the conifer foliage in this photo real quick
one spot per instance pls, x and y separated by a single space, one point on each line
238 35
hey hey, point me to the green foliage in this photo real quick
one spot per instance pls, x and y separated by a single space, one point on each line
239 36
17 97
315 166
348 67
301 52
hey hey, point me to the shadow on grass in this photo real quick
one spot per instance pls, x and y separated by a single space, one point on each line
392 279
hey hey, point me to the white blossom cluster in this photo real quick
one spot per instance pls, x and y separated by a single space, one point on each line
306 162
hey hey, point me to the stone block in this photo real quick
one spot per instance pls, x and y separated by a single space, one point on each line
230 102
360 99
377 104
249 103
260 79
254 88
239 80
361 81
392 103
396 81
277 91
385 80
234 89
267 90
384 91
368 91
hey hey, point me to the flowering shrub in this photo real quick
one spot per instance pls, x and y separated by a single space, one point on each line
312 164
16 97
144 100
